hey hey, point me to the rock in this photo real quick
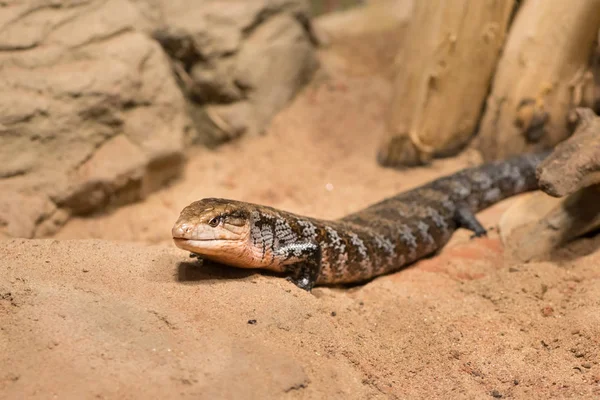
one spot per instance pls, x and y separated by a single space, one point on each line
117 166
215 84
231 119
277 59
20 213
254 57
82 88
92 114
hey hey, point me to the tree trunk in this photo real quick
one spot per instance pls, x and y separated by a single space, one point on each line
443 73
543 73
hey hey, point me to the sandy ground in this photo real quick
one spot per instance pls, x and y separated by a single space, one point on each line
109 308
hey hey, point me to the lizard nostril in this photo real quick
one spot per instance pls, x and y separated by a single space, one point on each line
180 230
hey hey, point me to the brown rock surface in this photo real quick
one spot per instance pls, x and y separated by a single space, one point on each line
88 106
251 56
91 113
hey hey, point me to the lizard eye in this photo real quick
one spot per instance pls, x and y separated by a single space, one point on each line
214 221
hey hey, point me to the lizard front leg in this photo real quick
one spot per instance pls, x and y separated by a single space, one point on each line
304 272
465 218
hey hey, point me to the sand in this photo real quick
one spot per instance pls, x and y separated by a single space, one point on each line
110 308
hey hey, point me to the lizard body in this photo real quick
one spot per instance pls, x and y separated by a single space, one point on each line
379 239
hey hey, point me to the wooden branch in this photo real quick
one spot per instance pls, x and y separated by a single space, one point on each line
537 224
443 72
543 73
575 163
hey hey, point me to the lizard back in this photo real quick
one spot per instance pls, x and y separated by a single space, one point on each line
401 229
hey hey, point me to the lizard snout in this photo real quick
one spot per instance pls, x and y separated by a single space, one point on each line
181 230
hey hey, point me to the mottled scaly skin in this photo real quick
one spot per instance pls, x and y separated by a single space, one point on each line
385 236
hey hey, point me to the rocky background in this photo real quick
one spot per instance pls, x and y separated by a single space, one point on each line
101 98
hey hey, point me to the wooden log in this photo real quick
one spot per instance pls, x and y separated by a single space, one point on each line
575 163
443 72
538 223
542 74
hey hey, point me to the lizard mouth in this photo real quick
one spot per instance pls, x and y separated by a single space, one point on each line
225 251
188 240
192 245
201 245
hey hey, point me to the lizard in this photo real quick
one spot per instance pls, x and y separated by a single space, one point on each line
379 239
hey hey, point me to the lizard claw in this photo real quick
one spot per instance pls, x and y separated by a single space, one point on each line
479 234
303 282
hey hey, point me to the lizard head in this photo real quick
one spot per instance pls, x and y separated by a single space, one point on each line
217 229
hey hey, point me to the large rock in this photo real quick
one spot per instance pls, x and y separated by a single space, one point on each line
89 107
239 67
92 115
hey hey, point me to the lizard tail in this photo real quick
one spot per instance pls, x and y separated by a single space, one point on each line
480 187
